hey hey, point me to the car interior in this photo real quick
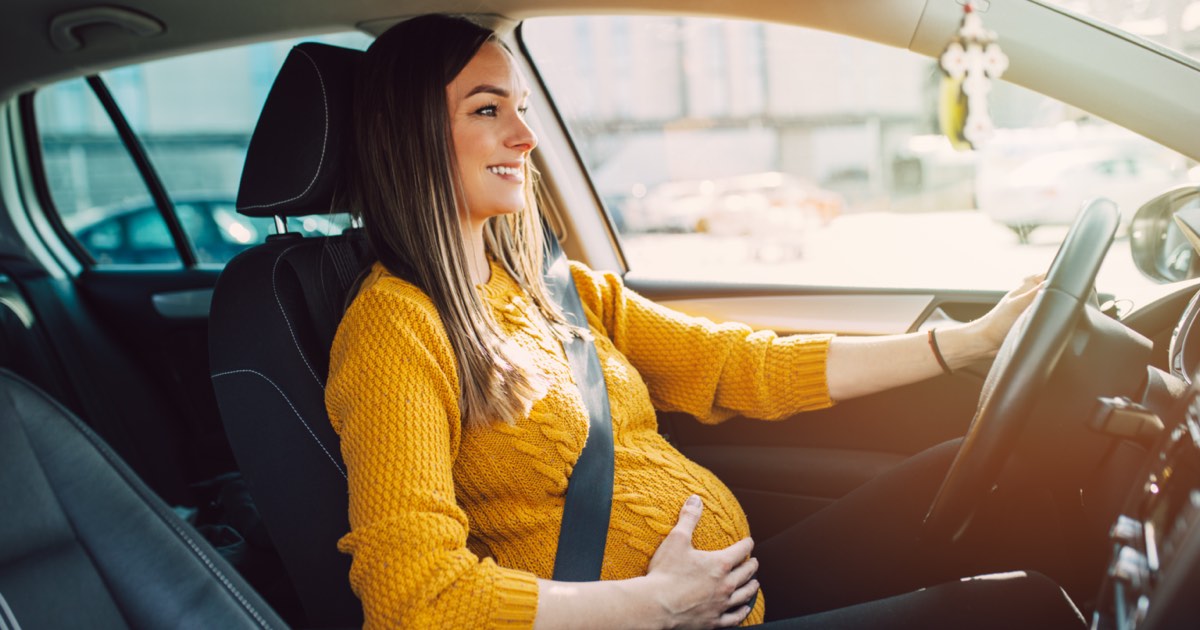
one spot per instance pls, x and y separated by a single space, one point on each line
166 456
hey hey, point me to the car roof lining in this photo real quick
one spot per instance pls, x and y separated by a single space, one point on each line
195 27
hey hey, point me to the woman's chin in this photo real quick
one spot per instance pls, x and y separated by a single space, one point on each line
499 210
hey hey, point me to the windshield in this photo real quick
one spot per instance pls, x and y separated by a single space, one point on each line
1171 23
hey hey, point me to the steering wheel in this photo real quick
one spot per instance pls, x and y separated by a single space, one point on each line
1020 371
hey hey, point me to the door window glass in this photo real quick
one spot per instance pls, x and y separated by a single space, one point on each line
755 152
93 181
194 115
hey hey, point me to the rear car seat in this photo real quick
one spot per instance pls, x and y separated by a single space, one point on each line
85 544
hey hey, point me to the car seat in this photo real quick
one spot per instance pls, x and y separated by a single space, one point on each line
274 313
85 544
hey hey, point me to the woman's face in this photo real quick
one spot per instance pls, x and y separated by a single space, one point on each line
491 140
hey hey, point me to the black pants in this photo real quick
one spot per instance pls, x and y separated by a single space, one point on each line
860 563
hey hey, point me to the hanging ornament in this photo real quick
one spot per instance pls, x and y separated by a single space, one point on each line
969 63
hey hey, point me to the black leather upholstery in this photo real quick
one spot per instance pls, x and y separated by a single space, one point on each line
85 544
274 313
296 150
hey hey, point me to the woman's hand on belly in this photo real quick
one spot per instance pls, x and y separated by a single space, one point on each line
684 588
702 589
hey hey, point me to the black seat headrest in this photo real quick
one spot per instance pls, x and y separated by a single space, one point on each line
295 154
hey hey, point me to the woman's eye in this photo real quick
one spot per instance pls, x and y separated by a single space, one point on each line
488 110
521 110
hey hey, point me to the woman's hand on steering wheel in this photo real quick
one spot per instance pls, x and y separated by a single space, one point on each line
994 326
1022 366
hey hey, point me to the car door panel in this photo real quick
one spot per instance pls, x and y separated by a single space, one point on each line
842 314
784 471
779 486
161 318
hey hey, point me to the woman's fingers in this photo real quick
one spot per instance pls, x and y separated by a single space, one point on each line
704 588
733 618
1028 283
1001 318
735 554
1027 290
689 515
1022 298
744 571
1031 281
743 594
679 540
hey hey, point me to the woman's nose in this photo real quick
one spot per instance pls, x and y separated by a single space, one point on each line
522 137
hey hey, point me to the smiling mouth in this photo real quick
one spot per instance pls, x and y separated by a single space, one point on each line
506 171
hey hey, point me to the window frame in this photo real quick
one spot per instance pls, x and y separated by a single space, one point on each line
158 192
189 256
133 146
36 163
582 173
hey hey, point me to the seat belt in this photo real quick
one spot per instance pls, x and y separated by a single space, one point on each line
588 505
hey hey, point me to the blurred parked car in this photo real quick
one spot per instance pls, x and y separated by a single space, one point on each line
732 206
1050 189
135 233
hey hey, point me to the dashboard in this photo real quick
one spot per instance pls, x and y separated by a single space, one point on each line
1184 353
1153 577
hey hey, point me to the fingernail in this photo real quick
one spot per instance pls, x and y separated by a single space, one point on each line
694 501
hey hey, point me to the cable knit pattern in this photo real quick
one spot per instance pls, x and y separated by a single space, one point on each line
428 499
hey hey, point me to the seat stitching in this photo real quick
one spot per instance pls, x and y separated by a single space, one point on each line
294 410
221 576
151 500
282 311
324 139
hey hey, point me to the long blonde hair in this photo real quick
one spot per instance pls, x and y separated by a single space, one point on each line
401 180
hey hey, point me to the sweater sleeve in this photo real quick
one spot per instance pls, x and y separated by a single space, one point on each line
711 371
392 396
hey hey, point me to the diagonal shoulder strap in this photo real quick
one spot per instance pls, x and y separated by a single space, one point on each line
589 492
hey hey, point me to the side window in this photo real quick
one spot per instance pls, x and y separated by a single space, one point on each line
149 241
740 151
93 181
193 116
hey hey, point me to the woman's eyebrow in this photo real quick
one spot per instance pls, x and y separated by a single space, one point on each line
488 89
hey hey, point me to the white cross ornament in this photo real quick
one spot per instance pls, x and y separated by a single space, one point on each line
969 62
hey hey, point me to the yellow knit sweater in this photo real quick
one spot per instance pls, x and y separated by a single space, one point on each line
451 527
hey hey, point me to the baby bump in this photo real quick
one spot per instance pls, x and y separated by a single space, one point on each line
651 482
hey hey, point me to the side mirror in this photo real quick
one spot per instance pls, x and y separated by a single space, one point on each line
1159 236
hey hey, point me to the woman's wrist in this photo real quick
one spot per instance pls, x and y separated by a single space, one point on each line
630 603
964 344
644 594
